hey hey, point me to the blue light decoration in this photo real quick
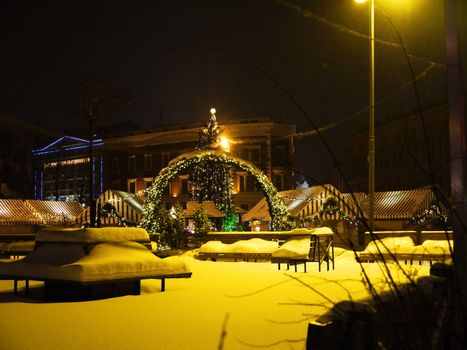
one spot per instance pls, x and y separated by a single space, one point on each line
102 176
77 143
50 148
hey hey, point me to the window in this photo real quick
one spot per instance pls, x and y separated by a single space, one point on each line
148 161
278 180
115 166
147 182
246 183
132 185
251 153
279 153
165 158
132 163
184 186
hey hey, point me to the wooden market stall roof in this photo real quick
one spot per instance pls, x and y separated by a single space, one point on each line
389 205
55 212
128 206
14 212
400 204
301 202
210 207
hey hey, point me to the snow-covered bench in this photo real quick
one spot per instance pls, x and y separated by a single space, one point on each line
403 249
253 249
16 249
318 247
92 264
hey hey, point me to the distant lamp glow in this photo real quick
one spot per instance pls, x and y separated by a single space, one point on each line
225 144
213 110
360 1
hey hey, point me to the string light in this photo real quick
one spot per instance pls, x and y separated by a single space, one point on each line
281 219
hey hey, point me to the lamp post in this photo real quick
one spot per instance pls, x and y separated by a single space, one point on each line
371 129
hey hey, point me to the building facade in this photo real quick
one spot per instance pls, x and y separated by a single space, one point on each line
404 155
61 170
130 161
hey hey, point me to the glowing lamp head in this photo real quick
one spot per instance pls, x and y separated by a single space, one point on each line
213 110
360 1
225 144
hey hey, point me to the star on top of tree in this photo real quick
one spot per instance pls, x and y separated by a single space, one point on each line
209 136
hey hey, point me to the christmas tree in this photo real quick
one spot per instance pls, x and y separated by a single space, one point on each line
202 223
212 180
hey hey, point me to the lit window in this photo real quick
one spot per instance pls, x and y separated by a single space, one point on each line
132 185
147 182
246 183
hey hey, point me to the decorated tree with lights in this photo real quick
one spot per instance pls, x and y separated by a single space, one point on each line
213 180
202 223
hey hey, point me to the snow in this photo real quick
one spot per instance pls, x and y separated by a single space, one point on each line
92 235
405 245
253 245
105 261
389 244
259 304
294 248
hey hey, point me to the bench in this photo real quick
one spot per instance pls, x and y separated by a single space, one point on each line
236 256
64 290
15 249
318 247
390 250
82 265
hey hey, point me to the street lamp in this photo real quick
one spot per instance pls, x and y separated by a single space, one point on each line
371 132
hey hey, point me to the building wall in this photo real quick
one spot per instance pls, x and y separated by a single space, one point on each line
401 154
61 170
131 161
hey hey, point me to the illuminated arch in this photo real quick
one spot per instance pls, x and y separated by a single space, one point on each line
278 211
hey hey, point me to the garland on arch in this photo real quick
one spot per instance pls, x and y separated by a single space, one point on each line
281 219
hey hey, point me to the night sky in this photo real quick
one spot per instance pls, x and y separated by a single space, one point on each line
173 60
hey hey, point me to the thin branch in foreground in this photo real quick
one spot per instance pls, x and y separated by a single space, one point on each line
258 290
284 341
305 319
223 332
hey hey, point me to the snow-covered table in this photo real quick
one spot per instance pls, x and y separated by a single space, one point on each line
92 264
403 249
318 247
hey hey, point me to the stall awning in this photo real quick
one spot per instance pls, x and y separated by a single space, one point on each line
55 212
14 212
301 202
128 206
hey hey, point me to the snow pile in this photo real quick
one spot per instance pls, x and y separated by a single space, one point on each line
94 235
105 261
298 248
253 245
437 247
389 244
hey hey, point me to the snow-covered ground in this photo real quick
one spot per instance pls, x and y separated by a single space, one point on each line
254 303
